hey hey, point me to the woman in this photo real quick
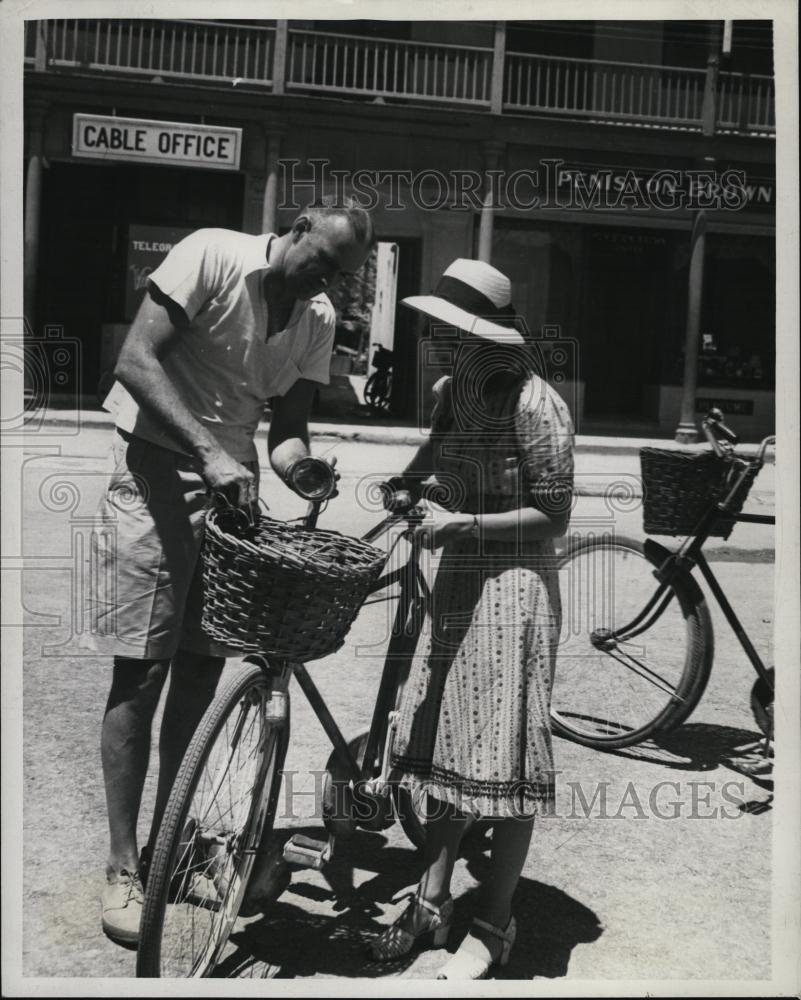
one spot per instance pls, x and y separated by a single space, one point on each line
474 731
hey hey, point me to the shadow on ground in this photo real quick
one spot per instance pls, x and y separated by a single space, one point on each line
701 746
291 941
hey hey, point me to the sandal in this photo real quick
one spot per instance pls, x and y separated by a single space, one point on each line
465 965
396 941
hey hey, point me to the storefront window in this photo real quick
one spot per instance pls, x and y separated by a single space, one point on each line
738 344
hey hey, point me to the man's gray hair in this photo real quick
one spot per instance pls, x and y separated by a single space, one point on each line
348 208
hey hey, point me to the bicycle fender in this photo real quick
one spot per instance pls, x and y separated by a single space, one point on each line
656 551
658 555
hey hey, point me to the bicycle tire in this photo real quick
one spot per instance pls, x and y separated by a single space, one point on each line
599 701
762 698
192 895
377 390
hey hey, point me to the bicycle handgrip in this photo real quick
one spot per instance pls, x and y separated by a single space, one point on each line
715 418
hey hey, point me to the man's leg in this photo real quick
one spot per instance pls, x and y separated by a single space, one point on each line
125 750
193 681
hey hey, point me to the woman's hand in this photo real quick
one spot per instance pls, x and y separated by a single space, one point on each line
440 526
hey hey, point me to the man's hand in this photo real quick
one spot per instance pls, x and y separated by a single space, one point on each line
223 474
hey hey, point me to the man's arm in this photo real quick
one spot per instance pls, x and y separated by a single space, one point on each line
288 439
155 329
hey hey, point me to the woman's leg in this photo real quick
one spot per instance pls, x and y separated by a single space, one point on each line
511 838
444 831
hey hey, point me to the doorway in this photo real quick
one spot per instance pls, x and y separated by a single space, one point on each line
403 401
86 210
624 318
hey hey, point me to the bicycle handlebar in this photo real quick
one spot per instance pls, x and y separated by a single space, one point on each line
714 419
714 430
723 438
411 515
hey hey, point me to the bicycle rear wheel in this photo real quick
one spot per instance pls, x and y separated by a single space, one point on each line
223 800
614 692
377 390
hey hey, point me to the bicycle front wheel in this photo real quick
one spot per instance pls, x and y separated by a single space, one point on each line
223 799
622 676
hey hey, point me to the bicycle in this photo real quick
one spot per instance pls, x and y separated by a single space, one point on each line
378 388
220 814
636 656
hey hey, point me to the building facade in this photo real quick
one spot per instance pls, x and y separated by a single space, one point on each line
581 158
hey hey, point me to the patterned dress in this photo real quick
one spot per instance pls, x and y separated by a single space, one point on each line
474 727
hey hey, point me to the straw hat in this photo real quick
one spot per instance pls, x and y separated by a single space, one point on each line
476 298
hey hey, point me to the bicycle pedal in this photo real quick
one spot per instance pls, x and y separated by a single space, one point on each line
307 852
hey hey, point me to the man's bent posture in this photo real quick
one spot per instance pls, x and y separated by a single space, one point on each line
229 322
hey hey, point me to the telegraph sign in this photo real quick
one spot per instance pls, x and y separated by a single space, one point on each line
147 248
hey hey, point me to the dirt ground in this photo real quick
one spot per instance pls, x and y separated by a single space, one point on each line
667 879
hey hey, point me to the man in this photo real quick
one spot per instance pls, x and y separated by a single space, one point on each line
230 320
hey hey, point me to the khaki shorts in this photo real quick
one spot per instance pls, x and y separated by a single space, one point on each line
146 588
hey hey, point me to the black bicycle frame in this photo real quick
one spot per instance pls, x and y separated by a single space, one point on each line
684 560
406 629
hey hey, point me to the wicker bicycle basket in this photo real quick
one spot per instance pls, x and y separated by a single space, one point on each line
679 486
282 589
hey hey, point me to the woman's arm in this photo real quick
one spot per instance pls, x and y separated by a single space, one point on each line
422 464
525 524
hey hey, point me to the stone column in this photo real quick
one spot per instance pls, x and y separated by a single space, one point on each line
492 150
269 214
33 202
687 432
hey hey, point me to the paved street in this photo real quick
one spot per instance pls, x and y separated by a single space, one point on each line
620 883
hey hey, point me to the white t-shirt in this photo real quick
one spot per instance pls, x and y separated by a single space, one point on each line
222 365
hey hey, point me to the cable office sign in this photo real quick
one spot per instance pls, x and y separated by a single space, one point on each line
138 140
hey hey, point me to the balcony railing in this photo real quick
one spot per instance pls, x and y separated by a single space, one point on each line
603 89
420 71
301 61
634 92
197 50
746 103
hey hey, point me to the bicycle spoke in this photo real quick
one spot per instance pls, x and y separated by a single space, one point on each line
639 668
208 863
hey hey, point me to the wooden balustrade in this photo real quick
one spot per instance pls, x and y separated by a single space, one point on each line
413 72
